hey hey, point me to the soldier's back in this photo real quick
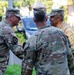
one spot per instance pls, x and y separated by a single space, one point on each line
52 53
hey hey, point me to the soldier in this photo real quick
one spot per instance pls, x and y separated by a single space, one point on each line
40 6
57 20
8 39
47 49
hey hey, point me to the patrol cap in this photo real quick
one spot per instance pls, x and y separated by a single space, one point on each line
14 11
39 15
56 12
39 5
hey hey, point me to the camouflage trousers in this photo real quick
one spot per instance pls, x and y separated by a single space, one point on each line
72 66
72 71
3 68
1 72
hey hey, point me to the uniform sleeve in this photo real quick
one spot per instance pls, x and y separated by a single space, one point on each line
28 62
70 33
30 56
70 56
68 46
12 43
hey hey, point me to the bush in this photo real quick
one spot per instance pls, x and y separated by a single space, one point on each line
15 70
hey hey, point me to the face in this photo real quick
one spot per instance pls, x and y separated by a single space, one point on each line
54 20
15 20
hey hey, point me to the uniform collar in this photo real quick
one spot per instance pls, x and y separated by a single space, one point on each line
44 27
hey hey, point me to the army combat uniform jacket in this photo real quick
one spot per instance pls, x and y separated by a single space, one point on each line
8 41
47 50
66 28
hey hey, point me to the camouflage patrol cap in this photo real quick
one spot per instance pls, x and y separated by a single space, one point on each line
56 12
39 5
14 11
39 15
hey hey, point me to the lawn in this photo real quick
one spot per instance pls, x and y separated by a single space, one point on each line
15 70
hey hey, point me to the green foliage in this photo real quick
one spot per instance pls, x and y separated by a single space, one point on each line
27 2
34 71
21 37
2 5
13 70
65 13
16 70
48 4
17 4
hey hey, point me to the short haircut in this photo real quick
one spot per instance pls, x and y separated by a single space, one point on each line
39 15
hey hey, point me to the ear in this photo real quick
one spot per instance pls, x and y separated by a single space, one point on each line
46 18
59 17
34 19
11 17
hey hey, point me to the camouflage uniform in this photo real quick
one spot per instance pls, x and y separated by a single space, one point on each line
8 41
47 50
66 28
69 32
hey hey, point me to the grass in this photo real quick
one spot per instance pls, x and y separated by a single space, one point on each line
15 70
21 37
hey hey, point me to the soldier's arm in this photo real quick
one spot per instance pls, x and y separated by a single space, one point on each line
12 43
70 33
28 62
70 55
71 62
